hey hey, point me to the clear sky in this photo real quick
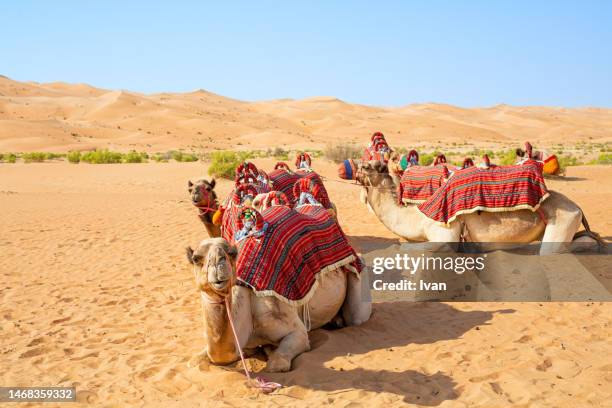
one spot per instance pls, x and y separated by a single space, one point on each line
467 53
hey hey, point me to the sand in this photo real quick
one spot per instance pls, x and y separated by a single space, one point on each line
97 294
59 117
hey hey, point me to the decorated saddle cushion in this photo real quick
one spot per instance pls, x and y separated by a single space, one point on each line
498 188
297 247
418 183
284 181
232 206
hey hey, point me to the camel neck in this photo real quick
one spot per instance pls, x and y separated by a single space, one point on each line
401 220
219 337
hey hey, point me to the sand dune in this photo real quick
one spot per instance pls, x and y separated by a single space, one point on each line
60 116
97 294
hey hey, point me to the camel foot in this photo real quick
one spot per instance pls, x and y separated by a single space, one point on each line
278 363
198 359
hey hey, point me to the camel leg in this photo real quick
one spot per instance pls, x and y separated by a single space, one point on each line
292 345
560 230
443 238
357 306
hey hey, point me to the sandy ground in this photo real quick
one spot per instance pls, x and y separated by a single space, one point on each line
60 117
97 293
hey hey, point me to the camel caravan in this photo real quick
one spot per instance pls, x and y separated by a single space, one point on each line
276 265
445 203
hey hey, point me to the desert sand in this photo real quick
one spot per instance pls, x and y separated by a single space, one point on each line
59 117
97 293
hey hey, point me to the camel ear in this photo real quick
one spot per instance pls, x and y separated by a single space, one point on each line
213 183
189 185
189 253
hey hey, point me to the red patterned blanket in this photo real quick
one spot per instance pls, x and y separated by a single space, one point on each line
296 248
418 183
499 188
283 180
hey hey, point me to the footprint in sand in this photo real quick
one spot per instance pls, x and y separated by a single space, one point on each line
33 353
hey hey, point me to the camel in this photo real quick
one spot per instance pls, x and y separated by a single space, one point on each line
203 196
266 321
563 218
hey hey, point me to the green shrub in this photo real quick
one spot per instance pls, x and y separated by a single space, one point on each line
135 157
224 163
161 157
280 154
506 157
8 157
74 157
341 152
566 161
53 156
184 157
425 159
34 157
315 154
102 157
604 158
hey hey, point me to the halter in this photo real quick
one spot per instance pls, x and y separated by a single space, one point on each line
208 206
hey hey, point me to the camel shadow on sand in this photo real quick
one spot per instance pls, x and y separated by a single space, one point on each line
393 324
368 243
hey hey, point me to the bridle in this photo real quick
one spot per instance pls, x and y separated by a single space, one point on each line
208 207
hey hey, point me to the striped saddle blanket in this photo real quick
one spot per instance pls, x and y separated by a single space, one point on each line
283 180
297 247
498 188
418 183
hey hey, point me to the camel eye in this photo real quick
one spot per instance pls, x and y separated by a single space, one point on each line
197 259
207 188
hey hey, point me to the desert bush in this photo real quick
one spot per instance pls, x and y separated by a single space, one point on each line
74 157
425 159
34 157
280 154
506 157
102 157
135 157
184 157
8 157
224 163
340 152
604 158
161 157
567 161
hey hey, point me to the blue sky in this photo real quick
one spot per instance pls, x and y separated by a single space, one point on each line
467 53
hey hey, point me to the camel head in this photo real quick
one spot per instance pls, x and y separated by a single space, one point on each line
202 192
214 266
375 174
